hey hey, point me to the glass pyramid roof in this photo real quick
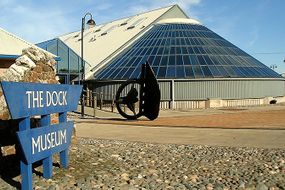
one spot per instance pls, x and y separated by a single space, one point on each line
184 51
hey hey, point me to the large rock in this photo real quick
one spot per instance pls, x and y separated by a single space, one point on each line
34 65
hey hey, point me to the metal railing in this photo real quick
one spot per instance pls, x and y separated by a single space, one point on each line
99 101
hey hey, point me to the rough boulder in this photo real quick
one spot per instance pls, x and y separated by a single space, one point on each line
34 65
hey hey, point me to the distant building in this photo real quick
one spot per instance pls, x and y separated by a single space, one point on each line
195 67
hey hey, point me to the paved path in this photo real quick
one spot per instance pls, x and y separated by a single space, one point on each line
230 128
176 135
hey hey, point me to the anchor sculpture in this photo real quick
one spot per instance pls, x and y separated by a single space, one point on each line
143 92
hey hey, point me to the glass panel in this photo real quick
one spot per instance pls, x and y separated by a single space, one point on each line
184 50
206 71
172 51
128 73
164 61
142 52
251 71
166 50
221 60
180 72
121 73
202 51
99 76
106 74
171 60
154 52
160 51
226 58
186 60
137 52
156 61
208 60
196 50
62 65
120 62
170 72
178 50
194 60
167 43
179 60
237 70
136 62
198 72
136 73
187 41
183 43
178 41
150 59
74 62
130 62
189 72
244 71
172 41
230 71
161 72
201 60
155 69
114 73
192 42
215 71
223 71
148 51
147 43
163 42
190 50
52 48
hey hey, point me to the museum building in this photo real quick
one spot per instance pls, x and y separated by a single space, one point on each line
195 67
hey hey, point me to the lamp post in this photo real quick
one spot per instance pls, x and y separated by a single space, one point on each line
90 22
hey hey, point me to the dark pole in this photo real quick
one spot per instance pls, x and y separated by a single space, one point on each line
90 22
82 67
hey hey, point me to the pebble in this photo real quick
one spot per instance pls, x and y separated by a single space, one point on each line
261 186
125 176
111 164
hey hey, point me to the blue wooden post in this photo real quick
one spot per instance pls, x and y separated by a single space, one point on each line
42 142
26 169
63 154
47 162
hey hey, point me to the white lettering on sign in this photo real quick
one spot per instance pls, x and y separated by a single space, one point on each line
37 99
48 141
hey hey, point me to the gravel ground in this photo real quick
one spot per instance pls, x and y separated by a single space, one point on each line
108 164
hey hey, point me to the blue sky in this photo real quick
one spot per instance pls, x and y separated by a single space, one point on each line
256 26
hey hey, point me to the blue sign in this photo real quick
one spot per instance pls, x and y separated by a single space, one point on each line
28 99
39 143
